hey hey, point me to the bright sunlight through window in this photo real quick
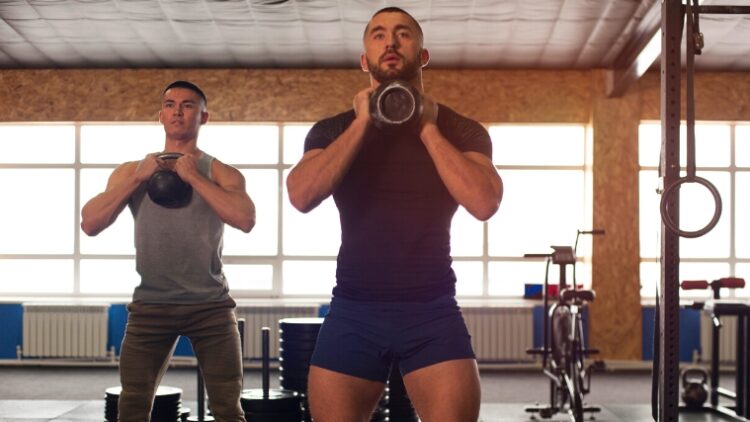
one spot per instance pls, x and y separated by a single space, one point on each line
287 254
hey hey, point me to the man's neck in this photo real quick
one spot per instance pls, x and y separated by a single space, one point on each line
415 82
184 146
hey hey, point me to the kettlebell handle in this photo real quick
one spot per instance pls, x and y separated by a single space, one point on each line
169 155
694 373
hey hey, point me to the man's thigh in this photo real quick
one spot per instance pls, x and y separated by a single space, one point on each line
445 392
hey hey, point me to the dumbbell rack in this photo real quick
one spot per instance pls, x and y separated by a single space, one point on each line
716 308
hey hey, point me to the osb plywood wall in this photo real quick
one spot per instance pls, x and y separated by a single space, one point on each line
486 95
615 322
282 95
615 315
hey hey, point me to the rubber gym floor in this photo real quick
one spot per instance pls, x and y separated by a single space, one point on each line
63 394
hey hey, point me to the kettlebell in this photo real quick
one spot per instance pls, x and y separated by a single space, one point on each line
166 188
694 387
395 104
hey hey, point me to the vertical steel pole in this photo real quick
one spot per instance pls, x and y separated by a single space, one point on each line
671 29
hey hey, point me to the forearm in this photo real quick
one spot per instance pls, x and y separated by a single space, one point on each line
476 187
102 210
317 177
233 207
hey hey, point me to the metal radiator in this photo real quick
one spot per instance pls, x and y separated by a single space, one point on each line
501 334
497 334
727 339
65 331
257 317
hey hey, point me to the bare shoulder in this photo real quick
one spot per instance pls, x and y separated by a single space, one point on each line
122 172
224 174
128 167
125 169
220 168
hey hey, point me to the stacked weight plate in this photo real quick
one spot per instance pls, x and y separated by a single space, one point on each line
400 408
297 337
380 414
297 341
270 404
274 406
167 404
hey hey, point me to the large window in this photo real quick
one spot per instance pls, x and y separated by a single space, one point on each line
48 171
546 173
722 151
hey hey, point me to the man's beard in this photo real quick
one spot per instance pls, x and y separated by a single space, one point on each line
409 72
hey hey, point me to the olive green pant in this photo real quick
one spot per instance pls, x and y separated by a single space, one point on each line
150 338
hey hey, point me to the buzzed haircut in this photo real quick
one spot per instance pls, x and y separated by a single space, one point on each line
393 9
187 85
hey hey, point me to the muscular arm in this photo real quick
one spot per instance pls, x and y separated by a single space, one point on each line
102 210
319 171
470 177
226 194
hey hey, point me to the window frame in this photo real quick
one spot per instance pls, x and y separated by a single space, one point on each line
728 211
277 261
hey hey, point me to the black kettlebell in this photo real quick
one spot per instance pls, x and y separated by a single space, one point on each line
166 188
395 104
694 387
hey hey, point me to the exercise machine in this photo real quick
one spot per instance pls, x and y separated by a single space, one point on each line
564 350
716 307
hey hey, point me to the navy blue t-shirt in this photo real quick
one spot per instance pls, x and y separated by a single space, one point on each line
395 211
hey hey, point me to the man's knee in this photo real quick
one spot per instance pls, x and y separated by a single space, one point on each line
134 404
224 398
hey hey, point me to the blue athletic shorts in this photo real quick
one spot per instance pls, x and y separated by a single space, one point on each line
362 339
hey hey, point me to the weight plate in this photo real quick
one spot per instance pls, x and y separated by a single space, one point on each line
296 374
273 417
294 340
294 365
278 400
166 406
294 384
294 355
300 324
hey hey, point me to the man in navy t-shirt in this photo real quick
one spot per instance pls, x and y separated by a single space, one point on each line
397 191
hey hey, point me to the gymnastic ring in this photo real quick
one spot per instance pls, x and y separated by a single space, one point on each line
665 215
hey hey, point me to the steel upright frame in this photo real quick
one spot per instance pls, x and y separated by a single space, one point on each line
672 16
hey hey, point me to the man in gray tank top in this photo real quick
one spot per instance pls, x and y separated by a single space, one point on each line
183 290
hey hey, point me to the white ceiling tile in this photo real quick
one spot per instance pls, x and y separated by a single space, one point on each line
17 10
33 57
7 61
8 33
328 33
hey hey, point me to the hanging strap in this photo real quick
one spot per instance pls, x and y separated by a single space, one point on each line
693 42
690 100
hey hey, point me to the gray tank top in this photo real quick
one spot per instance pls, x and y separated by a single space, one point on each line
178 251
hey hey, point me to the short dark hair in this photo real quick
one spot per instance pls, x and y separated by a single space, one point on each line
187 85
394 9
